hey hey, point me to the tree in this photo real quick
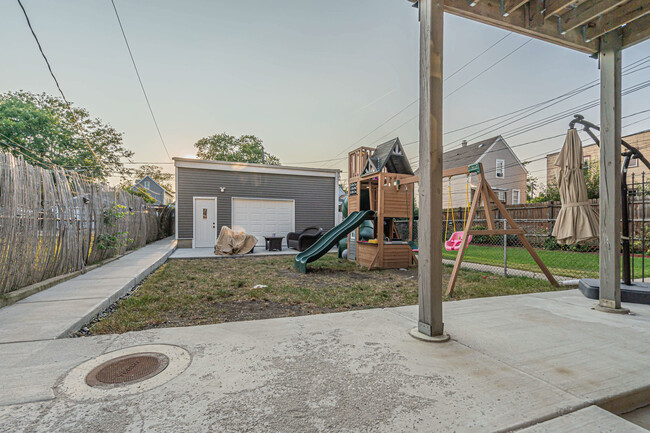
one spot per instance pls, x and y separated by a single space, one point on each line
224 147
592 181
140 192
156 173
532 186
42 128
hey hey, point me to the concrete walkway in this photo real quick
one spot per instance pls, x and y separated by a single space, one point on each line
532 363
61 310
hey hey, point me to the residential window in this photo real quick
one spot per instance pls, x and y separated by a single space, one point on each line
147 184
501 195
501 168
586 164
515 196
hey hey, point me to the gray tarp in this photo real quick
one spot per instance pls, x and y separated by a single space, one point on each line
230 242
577 221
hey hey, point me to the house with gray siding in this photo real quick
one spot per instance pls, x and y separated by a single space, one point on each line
503 170
157 191
262 200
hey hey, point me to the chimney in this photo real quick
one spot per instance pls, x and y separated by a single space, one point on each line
464 143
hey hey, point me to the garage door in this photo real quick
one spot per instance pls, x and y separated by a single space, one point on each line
263 217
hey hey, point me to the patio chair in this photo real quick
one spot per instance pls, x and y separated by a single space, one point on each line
302 240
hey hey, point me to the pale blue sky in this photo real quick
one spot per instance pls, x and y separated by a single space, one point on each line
310 80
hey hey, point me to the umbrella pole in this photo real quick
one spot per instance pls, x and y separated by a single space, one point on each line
625 218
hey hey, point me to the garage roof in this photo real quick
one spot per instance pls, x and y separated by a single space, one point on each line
204 164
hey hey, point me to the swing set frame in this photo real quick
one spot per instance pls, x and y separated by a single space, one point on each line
486 195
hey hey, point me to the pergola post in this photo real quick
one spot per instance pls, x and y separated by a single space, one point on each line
430 326
610 172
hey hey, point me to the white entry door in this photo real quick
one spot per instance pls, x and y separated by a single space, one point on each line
263 217
205 222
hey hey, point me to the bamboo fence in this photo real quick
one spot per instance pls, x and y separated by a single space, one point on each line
54 222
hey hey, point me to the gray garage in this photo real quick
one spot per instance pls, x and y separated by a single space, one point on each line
262 200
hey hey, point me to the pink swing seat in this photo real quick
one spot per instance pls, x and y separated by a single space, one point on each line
453 244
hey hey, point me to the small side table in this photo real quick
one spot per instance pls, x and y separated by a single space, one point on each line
273 243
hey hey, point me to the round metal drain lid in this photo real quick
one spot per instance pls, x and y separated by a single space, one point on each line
127 369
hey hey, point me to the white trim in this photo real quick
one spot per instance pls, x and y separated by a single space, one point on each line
293 216
336 200
216 224
176 206
254 168
503 168
487 150
512 199
154 181
505 143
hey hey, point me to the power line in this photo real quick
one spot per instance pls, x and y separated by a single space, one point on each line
477 57
490 67
49 67
445 79
144 92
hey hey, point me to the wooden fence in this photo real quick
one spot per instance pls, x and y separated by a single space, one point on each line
53 222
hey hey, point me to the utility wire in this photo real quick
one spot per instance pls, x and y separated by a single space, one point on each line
488 68
477 57
144 92
49 67
445 79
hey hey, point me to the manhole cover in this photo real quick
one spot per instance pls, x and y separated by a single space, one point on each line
127 369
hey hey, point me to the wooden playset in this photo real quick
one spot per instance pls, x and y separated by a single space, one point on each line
381 180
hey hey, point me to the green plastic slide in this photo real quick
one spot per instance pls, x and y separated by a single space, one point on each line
331 238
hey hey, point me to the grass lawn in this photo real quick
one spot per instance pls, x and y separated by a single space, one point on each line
194 292
566 263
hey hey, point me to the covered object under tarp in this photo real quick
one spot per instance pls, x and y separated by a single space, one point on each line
230 242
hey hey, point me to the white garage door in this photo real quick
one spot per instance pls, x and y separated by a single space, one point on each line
263 217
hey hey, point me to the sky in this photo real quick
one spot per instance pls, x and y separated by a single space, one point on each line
311 81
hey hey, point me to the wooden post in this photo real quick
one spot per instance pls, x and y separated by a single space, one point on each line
430 324
610 172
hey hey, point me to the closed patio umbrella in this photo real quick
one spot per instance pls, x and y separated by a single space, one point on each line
577 221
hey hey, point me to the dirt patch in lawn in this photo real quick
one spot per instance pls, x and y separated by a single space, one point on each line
197 292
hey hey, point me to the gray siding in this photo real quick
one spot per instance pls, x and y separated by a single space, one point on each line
515 178
314 196
515 174
154 189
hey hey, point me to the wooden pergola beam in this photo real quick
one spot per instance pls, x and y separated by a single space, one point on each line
430 325
509 6
585 12
610 172
636 31
554 7
627 13
519 21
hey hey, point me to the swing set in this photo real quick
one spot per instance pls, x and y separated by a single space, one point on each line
453 243
484 196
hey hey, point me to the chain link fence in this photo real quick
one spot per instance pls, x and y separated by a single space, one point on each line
505 254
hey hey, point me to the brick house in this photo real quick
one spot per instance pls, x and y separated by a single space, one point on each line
591 154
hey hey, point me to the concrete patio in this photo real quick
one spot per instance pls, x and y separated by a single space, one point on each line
539 362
